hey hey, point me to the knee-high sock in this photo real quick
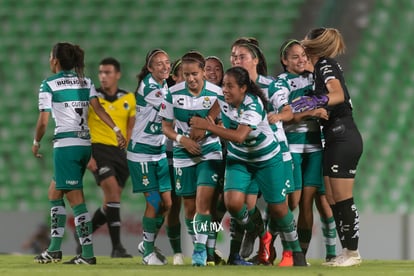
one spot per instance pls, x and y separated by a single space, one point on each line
338 223
57 224
150 229
83 226
174 235
202 230
113 218
349 222
329 235
98 219
286 226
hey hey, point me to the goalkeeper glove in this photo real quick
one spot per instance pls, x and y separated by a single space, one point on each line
305 103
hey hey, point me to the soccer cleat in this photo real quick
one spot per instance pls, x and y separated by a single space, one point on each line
120 253
211 261
141 250
152 259
347 258
81 260
218 258
48 257
273 254
236 259
329 260
299 259
287 258
264 249
178 259
248 244
199 258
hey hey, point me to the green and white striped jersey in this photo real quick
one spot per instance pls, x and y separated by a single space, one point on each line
179 106
67 98
304 136
261 143
278 98
147 139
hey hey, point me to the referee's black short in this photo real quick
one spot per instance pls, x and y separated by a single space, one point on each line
343 148
111 161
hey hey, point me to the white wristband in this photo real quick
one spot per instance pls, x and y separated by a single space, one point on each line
36 143
116 129
178 138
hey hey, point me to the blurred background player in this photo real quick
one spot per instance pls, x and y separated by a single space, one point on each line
108 162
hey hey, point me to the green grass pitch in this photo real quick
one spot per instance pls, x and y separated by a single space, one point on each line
24 265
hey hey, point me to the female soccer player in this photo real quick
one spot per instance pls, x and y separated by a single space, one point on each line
343 142
146 155
67 94
254 160
197 164
214 70
304 138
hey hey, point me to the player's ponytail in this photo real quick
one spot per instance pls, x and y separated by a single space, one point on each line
70 56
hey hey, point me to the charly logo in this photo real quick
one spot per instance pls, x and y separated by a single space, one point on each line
206 226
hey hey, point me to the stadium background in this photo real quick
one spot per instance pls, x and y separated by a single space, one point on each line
378 67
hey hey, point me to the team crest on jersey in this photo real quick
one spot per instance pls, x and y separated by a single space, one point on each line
145 180
126 105
206 102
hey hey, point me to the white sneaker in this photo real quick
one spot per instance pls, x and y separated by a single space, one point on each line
157 251
347 258
178 259
152 259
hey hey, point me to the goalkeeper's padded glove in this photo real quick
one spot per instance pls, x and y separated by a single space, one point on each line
305 103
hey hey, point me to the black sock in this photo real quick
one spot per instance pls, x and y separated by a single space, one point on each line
338 222
114 223
99 219
350 222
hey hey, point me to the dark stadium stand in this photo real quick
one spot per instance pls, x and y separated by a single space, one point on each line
380 78
125 29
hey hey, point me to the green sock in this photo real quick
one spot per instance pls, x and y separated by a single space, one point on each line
304 236
150 228
202 228
83 226
211 243
174 235
329 235
190 229
288 230
57 224
243 218
274 228
160 221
